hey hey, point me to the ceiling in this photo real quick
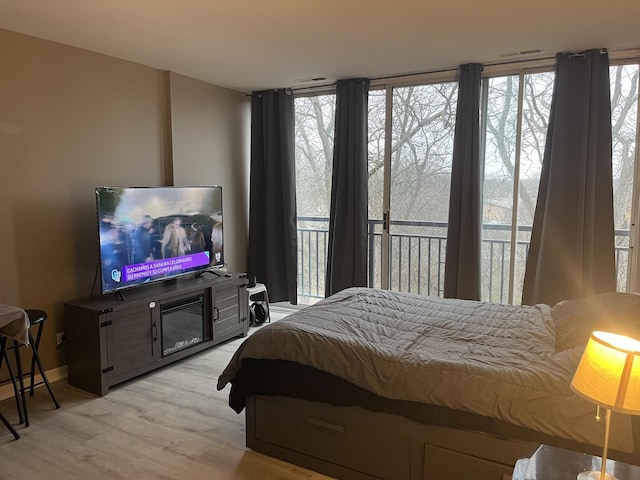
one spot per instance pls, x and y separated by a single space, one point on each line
252 45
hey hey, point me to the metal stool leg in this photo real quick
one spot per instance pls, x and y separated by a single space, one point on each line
21 381
34 348
9 427
16 392
35 359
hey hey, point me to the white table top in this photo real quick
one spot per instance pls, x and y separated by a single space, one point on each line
14 323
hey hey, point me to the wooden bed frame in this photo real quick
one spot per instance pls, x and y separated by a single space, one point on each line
362 442
352 443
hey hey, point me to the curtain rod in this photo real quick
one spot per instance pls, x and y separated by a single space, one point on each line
623 53
582 54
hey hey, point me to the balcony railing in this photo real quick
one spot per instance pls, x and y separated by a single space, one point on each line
417 256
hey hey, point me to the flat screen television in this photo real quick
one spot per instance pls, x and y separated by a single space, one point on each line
150 234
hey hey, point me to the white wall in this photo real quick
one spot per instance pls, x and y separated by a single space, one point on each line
210 146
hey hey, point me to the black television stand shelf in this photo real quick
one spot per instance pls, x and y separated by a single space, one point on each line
111 340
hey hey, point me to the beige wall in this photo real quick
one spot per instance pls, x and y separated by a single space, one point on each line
71 120
210 137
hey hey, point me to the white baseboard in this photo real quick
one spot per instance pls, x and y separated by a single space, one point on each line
55 374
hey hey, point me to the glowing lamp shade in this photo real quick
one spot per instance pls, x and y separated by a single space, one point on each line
609 372
609 375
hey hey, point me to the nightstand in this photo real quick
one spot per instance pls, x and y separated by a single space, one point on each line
551 463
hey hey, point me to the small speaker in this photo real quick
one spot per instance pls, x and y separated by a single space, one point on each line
260 313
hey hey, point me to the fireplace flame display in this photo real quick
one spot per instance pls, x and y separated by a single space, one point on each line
182 325
181 345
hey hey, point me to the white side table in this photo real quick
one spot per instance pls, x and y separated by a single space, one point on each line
552 463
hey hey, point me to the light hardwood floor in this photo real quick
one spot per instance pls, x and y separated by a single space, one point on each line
169 424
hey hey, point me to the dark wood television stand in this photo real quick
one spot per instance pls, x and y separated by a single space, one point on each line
113 338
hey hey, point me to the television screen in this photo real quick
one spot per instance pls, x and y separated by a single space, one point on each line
149 234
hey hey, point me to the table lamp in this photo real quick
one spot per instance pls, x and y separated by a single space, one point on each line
609 376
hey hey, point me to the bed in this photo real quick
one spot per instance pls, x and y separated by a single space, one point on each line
376 384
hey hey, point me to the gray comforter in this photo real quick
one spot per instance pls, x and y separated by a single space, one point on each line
492 360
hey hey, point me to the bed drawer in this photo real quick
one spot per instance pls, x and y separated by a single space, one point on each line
444 464
333 438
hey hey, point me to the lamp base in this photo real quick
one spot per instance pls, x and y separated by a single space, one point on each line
593 475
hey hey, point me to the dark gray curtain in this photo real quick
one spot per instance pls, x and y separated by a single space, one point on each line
464 233
272 206
347 253
572 243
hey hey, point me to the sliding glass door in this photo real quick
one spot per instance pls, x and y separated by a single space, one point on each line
409 254
411 130
514 122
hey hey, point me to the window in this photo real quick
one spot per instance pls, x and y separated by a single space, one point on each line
314 127
422 135
516 115
410 147
624 125
411 132
511 173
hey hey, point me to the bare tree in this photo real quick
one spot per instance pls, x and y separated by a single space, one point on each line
315 118
624 101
